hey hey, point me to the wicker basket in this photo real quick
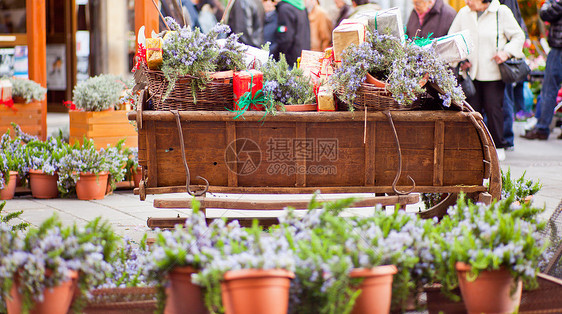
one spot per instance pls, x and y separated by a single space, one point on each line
218 94
120 300
378 99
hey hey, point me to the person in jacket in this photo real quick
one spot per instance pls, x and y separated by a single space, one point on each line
247 17
270 24
344 11
551 11
360 6
430 17
496 36
293 30
320 26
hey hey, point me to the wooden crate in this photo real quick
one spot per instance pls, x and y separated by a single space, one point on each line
107 127
27 116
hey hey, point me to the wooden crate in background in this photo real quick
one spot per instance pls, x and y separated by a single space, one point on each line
106 127
27 116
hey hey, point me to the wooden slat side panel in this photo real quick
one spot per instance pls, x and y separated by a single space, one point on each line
153 157
417 135
370 157
204 149
458 163
438 152
231 154
461 135
417 163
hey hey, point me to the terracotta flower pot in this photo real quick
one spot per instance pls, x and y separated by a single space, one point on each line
182 296
91 186
490 292
56 300
43 185
376 289
306 107
378 83
137 176
7 193
256 291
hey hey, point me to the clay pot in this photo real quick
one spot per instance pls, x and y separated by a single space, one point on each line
91 186
182 296
56 300
137 176
376 289
490 292
306 107
43 185
7 193
378 83
256 291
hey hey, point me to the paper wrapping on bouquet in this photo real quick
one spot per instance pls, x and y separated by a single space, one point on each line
247 87
387 22
311 64
6 94
154 53
347 33
455 47
326 99
255 57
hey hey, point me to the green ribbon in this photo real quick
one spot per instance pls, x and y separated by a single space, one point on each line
247 100
422 41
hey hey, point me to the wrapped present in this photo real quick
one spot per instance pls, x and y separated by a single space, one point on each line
6 94
455 47
255 57
326 99
327 67
247 87
154 53
388 22
311 64
346 34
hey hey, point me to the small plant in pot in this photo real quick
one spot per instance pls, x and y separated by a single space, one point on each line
249 270
498 245
286 89
98 93
86 171
26 91
523 189
12 163
42 161
176 255
44 266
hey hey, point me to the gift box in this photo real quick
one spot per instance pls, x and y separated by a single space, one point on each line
6 93
347 33
255 57
154 53
455 47
311 64
246 85
387 22
326 99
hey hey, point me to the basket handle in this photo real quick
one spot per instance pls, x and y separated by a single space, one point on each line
182 148
399 173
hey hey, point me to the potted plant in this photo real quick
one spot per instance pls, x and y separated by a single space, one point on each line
27 108
42 163
133 169
11 164
45 265
523 189
92 114
489 251
249 270
175 256
286 89
401 69
88 171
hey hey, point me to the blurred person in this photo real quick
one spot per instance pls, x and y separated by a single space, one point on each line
320 26
210 12
363 6
551 11
430 17
248 17
344 11
270 23
293 30
513 93
497 37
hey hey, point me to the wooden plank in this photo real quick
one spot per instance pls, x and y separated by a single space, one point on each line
418 135
242 204
438 139
323 117
300 133
322 189
370 158
146 15
461 135
36 25
231 145
152 161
